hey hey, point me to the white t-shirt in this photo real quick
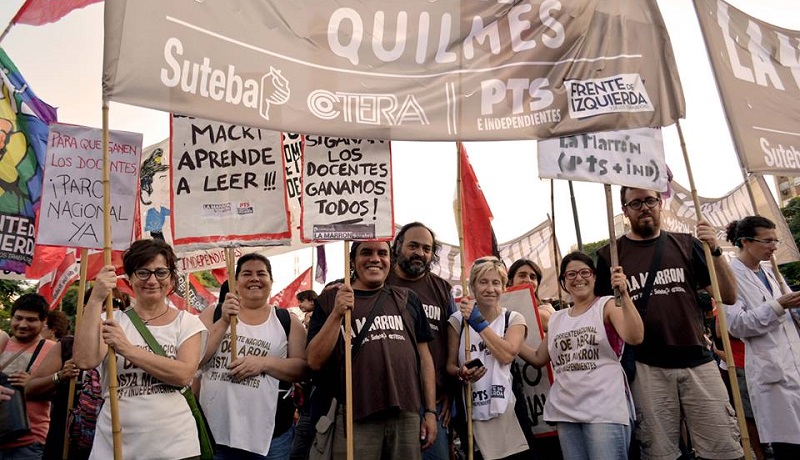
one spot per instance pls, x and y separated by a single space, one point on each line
590 384
242 414
155 418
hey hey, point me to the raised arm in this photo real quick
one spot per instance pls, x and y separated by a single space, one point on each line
324 338
626 319
88 350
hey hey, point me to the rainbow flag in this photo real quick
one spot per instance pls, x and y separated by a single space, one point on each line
24 121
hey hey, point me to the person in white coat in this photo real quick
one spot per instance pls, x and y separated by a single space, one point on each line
765 317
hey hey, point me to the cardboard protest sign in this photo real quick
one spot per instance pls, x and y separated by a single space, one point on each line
536 382
412 70
632 157
72 197
227 185
347 189
755 65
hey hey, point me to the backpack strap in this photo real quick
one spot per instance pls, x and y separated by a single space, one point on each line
285 318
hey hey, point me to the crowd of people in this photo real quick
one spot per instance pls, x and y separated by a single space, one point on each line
634 373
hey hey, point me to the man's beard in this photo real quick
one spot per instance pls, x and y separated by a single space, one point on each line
413 270
646 230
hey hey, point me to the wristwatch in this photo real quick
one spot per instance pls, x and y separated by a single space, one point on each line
716 252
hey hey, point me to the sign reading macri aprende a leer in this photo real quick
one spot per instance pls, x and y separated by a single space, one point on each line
72 196
227 185
347 189
632 157
414 70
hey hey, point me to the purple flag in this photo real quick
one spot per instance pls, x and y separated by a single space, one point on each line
322 265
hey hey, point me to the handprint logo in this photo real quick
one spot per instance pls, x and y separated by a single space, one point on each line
274 90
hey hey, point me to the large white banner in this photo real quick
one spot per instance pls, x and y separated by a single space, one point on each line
679 215
758 76
72 198
347 189
413 70
536 382
228 185
632 157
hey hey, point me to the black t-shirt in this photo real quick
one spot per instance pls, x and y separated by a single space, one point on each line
437 303
673 322
386 374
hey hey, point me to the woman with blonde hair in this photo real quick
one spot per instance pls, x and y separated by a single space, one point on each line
496 335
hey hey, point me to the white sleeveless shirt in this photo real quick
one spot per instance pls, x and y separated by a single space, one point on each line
241 414
590 385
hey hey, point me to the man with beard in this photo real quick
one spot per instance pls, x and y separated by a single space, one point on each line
414 251
21 355
674 371
392 368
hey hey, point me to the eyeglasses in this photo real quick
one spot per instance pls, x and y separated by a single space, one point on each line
767 242
584 272
143 274
636 205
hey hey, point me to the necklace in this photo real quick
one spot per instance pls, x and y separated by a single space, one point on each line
147 321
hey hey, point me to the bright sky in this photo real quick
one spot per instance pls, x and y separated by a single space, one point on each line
62 62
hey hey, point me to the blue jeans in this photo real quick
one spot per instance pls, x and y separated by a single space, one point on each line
594 441
279 449
440 450
30 452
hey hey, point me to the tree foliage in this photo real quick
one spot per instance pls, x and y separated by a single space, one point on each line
9 291
791 213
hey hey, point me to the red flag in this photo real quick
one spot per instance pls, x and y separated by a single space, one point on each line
476 217
39 12
54 285
45 260
220 274
288 296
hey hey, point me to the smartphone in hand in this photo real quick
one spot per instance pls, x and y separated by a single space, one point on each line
473 363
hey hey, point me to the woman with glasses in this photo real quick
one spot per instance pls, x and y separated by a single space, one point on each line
495 338
589 399
766 318
155 418
525 271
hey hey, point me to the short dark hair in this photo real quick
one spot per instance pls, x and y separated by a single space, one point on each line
353 251
58 322
519 263
308 294
142 252
253 256
624 189
746 228
32 302
397 244
575 255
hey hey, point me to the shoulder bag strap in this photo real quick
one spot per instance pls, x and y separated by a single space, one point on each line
145 332
34 355
359 339
15 356
641 302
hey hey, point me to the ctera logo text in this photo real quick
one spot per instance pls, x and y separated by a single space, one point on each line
619 93
223 85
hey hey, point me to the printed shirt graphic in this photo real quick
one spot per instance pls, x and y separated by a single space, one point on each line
590 384
241 413
149 408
